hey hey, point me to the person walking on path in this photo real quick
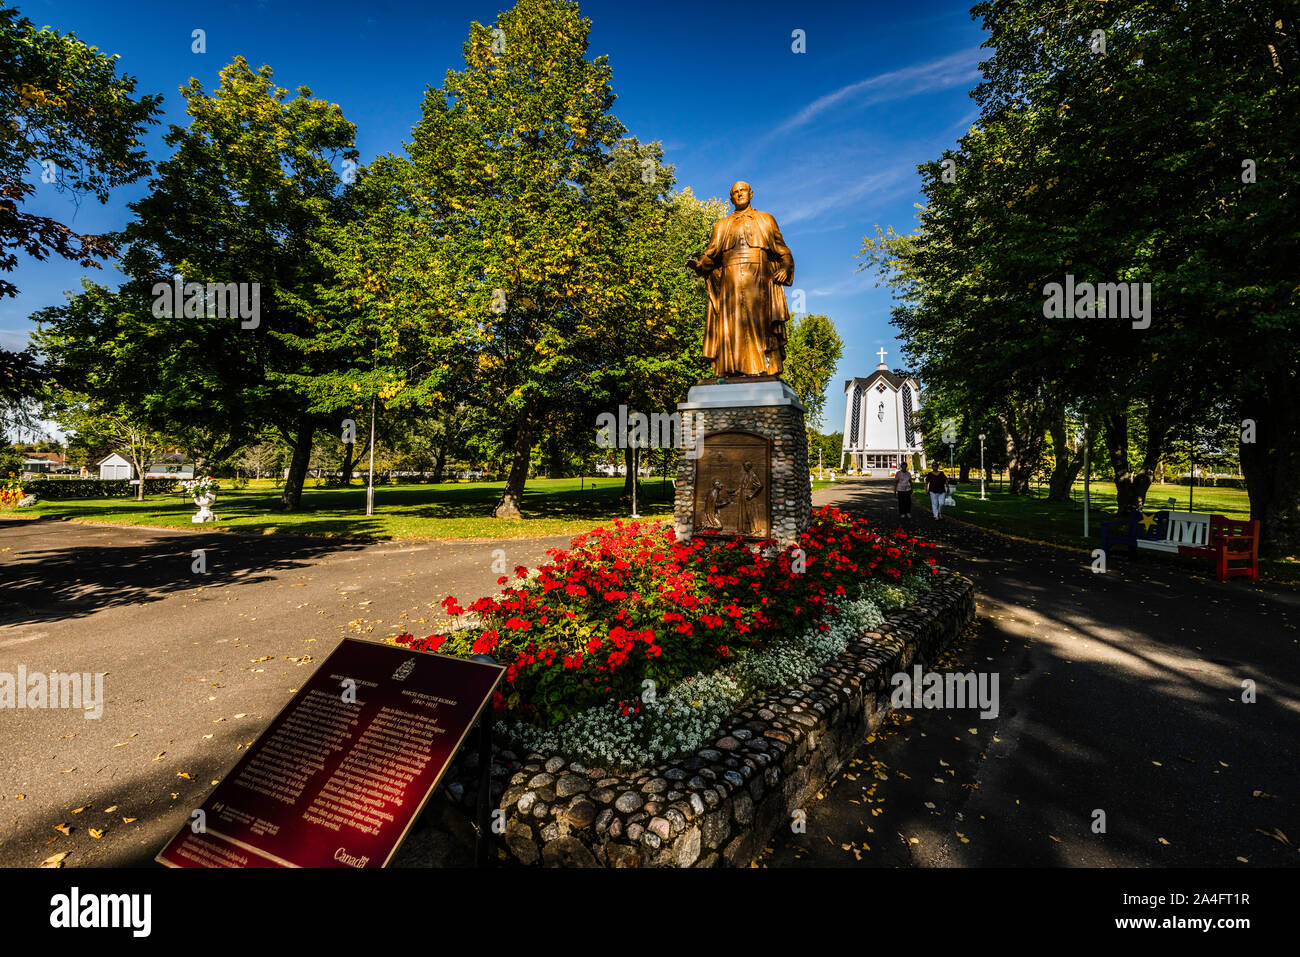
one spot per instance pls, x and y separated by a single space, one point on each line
903 486
936 483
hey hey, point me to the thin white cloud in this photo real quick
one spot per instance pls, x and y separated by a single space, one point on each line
822 200
956 69
858 282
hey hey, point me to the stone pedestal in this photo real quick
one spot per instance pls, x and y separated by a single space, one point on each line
744 464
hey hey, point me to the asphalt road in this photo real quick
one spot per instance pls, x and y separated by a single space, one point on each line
1119 693
196 664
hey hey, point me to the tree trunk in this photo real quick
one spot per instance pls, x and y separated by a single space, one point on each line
1067 465
1271 463
1132 485
555 467
1024 445
629 478
513 496
350 451
963 474
439 464
291 497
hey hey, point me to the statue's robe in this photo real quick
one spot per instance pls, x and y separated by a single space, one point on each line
749 489
745 333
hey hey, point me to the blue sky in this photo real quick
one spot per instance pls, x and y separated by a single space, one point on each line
829 138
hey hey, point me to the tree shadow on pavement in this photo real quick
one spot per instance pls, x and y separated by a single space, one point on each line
56 572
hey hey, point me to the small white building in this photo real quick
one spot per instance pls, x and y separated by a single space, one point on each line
880 423
115 467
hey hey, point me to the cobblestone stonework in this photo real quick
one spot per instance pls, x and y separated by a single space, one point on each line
718 807
790 493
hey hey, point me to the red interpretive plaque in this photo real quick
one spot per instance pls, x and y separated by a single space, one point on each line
341 774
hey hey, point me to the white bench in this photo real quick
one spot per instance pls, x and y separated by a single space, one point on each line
1182 530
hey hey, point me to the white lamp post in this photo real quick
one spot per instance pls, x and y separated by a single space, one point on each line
983 497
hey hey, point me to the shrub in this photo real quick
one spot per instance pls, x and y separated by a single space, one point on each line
94 488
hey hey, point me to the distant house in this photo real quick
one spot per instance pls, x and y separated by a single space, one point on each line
172 465
115 467
43 461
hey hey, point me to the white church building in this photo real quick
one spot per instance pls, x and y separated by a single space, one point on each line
880 427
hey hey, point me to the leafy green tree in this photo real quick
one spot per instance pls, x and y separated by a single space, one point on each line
1169 152
101 421
812 352
251 182
513 255
830 447
69 117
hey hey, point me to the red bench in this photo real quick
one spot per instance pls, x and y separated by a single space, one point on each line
1234 540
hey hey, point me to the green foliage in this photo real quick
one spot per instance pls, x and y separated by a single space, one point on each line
1122 166
72 488
812 351
67 114
250 183
524 257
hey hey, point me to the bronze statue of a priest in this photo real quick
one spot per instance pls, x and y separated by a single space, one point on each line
745 265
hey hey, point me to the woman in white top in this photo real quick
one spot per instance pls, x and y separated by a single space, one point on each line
903 486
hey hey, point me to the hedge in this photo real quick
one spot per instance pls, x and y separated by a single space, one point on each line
94 488
1209 481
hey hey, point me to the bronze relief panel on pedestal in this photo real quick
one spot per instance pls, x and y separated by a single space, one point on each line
733 478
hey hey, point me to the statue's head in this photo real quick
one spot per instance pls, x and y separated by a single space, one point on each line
741 194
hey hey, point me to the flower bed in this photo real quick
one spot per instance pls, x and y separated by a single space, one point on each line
717 805
632 646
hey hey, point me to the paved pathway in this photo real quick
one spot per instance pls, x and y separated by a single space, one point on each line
197 664
1119 692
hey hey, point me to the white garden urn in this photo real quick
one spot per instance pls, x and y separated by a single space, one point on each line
205 501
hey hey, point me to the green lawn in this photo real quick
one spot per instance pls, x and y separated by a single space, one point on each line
1061 523
448 511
